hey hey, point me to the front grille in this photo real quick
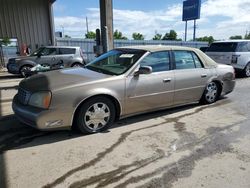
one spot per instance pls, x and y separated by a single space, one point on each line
23 96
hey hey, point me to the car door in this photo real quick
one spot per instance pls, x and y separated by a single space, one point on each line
151 91
65 56
190 77
47 56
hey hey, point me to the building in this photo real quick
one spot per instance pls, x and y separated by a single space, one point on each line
30 22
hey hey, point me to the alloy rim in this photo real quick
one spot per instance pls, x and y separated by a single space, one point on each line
97 116
211 92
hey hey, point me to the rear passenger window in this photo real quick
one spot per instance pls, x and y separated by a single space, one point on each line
222 47
159 61
184 60
197 61
67 51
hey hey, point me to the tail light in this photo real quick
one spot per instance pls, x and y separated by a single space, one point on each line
234 59
81 54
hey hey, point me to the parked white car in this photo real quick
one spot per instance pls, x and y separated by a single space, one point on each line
232 52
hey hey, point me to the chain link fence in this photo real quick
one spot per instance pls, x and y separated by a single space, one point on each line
87 45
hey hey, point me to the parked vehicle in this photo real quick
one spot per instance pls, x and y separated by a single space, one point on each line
232 52
204 48
49 55
123 82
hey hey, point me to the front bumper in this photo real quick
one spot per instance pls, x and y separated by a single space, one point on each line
39 118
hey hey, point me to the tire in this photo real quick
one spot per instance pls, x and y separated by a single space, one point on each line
211 93
77 65
95 115
247 70
24 69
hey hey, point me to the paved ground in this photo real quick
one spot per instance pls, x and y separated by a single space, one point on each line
191 146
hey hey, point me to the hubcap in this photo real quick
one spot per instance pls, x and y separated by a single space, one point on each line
248 70
97 116
211 92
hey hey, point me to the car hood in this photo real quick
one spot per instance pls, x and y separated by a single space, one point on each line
60 79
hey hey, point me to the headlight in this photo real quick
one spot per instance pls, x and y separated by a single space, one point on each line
40 99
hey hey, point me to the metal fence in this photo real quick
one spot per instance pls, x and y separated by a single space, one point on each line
88 44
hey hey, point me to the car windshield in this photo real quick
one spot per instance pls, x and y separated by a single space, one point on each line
38 51
115 62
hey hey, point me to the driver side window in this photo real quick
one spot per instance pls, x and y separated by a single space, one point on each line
48 51
159 61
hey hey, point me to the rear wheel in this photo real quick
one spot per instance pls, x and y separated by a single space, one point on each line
24 69
211 93
95 115
77 65
247 70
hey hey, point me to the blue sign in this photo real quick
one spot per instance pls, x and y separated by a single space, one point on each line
191 10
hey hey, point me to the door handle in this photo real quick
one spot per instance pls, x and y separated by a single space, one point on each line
204 75
167 80
53 58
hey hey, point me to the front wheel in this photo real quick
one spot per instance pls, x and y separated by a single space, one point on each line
24 70
95 115
210 94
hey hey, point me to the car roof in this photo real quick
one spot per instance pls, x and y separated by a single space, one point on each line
61 46
154 48
226 41
207 61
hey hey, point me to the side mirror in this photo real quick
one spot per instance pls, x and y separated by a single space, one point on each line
144 70
39 55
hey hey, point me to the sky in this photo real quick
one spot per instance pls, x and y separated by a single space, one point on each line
219 18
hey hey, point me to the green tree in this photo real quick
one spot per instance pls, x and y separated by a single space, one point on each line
208 39
157 36
247 36
235 37
90 35
172 35
137 36
5 41
118 35
67 36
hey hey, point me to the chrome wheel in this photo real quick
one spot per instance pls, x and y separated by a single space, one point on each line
247 70
211 92
97 116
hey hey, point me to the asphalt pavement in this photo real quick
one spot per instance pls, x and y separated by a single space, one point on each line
190 146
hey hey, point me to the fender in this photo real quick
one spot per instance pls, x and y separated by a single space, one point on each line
27 62
93 93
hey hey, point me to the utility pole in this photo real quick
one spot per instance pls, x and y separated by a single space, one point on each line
87 25
62 31
186 31
106 15
194 29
